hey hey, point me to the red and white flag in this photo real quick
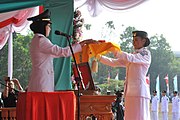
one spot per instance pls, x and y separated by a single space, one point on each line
167 83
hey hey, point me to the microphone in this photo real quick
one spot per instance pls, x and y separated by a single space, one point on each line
63 34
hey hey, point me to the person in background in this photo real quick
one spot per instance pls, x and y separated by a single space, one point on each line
164 105
175 106
10 94
97 90
117 106
154 106
42 52
136 91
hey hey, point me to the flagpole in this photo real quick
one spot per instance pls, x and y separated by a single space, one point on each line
158 86
10 55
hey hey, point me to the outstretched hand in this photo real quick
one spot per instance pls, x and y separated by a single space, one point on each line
16 81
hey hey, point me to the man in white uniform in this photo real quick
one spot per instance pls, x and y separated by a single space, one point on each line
175 106
154 106
136 92
164 105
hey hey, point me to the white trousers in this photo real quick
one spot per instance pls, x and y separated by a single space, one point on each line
137 108
175 116
164 115
154 115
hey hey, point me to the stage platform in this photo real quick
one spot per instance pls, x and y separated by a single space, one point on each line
62 106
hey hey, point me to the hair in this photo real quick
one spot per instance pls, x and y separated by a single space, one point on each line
39 27
147 42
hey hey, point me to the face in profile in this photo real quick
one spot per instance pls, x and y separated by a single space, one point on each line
48 29
138 42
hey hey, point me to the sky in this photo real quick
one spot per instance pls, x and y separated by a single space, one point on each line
153 16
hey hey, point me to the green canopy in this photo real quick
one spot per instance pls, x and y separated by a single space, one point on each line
11 5
62 20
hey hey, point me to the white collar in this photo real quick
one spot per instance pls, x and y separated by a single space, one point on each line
140 50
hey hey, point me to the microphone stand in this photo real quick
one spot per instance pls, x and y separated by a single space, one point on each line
77 79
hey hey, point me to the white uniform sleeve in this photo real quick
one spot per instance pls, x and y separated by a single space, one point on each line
48 48
112 62
138 58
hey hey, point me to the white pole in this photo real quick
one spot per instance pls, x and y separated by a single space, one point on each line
10 55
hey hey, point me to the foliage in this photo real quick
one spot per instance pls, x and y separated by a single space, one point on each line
21 58
126 39
113 85
162 58
87 26
175 66
108 31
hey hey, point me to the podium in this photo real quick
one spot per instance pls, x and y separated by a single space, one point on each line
96 105
91 104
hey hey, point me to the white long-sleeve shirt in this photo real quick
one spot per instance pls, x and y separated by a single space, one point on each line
164 104
42 52
137 65
176 104
155 104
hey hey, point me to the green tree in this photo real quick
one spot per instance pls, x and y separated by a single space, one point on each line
175 66
126 39
108 31
113 85
162 58
87 26
21 58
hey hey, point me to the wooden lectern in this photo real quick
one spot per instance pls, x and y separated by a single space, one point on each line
91 104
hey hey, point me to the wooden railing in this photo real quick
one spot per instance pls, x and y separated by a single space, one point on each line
8 113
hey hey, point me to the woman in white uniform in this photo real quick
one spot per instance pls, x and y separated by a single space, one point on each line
137 94
42 52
